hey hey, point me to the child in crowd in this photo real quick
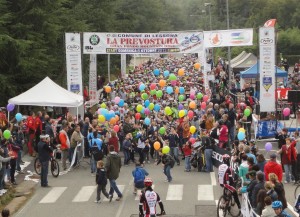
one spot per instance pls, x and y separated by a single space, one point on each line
101 181
187 150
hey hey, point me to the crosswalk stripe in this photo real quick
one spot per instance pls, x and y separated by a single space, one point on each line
175 192
53 195
121 189
84 194
139 193
205 192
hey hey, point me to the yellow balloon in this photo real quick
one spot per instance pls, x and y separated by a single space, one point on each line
242 130
101 118
181 113
192 129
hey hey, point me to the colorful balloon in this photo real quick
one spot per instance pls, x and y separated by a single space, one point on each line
197 65
147 111
142 87
146 103
192 105
147 121
159 93
247 112
181 72
192 140
169 90
205 98
156 107
168 110
113 121
199 95
152 86
117 99
101 118
10 107
103 105
151 106
116 128
268 146
192 129
165 149
162 83
166 73
137 116
156 72
139 108
241 136
6 134
156 146
172 77
152 92
242 130
162 130
107 89
286 112
145 96
181 98
181 113
121 103
190 114
18 117
181 90
203 105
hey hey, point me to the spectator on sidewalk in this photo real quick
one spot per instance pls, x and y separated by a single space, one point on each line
273 167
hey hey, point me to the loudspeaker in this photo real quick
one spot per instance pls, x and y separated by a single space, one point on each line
294 96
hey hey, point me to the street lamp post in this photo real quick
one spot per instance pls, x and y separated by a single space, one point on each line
229 50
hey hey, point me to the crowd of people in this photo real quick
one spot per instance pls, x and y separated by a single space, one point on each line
162 103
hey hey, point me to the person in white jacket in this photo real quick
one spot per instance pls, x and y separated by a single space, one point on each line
268 211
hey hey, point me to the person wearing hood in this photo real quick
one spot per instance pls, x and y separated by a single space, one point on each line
273 167
113 167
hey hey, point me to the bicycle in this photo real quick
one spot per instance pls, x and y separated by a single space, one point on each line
226 204
54 166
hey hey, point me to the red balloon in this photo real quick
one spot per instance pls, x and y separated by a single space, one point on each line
116 128
205 98
152 86
137 116
190 114
192 140
203 105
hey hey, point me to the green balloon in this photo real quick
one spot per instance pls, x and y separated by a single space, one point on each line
181 98
151 106
168 110
172 77
165 149
103 105
6 134
247 112
159 93
152 92
139 108
144 96
199 95
162 130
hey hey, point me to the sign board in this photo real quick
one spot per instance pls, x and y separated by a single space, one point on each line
93 78
142 43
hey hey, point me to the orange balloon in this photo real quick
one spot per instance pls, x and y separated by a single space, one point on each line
113 121
156 145
197 65
177 90
117 118
162 83
192 105
181 72
107 89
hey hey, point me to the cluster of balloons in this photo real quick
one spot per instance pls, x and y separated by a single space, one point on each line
241 134
105 115
165 149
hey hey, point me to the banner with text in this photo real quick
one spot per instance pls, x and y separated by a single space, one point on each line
73 62
93 78
228 38
267 69
141 43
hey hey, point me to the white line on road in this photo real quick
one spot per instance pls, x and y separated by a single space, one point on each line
84 194
139 193
213 178
53 195
205 192
292 209
120 187
175 192
121 207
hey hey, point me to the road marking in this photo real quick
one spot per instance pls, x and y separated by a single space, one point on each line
175 192
121 189
84 194
53 195
121 207
205 192
139 193
213 178
292 209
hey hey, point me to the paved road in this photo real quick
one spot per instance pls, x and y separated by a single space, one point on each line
73 194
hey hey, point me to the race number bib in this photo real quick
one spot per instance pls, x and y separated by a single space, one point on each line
151 199
221 173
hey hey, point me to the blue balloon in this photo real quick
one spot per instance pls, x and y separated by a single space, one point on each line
156 107
142 87
121 103
147 121
103 111
181 90
185 111
18 117
169 90
166 73
156 72
147 103
143 111
241 135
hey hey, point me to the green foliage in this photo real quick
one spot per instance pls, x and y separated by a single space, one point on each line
32 31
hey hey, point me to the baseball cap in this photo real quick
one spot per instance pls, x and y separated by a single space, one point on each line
272 156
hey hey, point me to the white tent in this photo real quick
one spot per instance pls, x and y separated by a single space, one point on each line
48 93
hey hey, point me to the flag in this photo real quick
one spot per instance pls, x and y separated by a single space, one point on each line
270 23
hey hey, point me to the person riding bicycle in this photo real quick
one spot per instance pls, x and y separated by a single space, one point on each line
148 200
278 209
226 178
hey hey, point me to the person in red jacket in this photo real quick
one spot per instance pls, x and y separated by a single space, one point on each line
289 160
223 137
187 150
114 141
31 125
273 167
65 144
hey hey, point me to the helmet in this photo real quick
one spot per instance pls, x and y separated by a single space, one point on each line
148 182
276 204
226 159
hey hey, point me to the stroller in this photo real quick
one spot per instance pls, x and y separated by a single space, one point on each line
198 159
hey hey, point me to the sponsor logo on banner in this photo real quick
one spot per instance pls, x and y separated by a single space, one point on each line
94 39
73 48
267 83
239 38
215 38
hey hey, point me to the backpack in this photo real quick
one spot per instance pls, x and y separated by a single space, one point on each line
139 175
172 161
96 153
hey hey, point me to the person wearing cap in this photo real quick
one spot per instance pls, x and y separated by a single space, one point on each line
289 160
44 152
273 167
